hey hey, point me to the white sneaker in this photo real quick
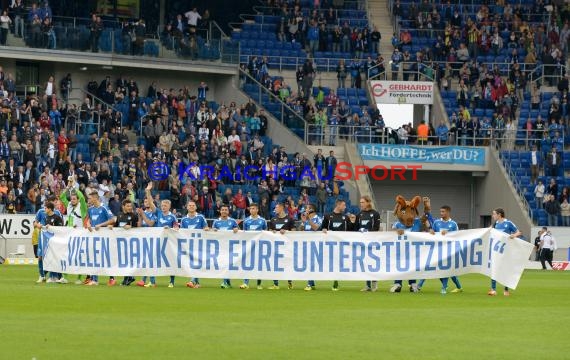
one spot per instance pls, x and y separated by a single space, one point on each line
396 288
374 286
51 280
41 279
414 288
62 281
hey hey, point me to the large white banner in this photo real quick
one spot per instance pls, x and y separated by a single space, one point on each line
294 256
402 92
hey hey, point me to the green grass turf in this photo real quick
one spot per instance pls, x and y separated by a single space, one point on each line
52 321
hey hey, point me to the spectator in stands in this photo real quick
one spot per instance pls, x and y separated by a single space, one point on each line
18 9
193 16
554 162
552 207
36 31
95 28
395 61
341 73
5 22
565 212
49 40
442 133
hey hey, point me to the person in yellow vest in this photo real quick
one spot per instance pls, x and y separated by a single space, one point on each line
423 132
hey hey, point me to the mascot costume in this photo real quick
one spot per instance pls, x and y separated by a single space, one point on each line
409 220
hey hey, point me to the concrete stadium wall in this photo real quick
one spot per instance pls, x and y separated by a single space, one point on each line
496 190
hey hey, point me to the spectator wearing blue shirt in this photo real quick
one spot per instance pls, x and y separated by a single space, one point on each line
442 133
355 66
311 221
225 223
45 11
254 222
195 221
99 216
313 37
508 227
395 60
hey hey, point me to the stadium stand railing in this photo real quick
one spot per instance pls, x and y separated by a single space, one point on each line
273 104
73 34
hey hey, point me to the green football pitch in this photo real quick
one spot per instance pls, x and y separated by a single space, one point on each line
53 321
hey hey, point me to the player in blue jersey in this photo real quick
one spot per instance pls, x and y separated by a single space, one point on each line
508 227
99 216
225 223
39 222
193 220
147 218
164 219
444 225
311 221
254 222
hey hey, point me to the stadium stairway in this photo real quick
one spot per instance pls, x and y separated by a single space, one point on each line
379 15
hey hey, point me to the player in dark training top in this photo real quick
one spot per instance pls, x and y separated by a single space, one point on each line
282 223
127 219
338 221
368 220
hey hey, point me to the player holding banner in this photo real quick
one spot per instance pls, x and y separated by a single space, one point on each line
311 221
147 218
127 219
445 225
54 219
338 221
508 227
99 216
164 219
76 212
282 223
254 222
368 220
225 223
196 221
39 222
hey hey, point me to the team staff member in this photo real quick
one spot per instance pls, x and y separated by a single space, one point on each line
547 247
338 221
225 223
311 221
368 220
282 223
196 221
127 219
444 225
99 216
508 227
254 222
